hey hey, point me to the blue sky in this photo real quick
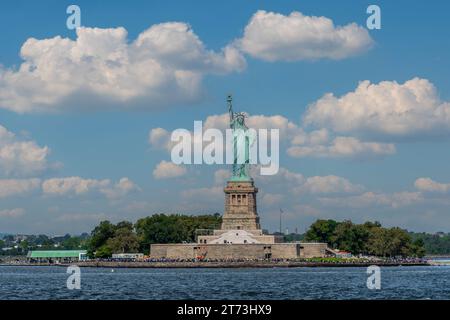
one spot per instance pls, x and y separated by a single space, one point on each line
67 144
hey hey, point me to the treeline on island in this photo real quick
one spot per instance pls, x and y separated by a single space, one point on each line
17 245
434 244
369 238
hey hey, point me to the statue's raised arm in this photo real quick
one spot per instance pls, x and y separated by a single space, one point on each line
230 108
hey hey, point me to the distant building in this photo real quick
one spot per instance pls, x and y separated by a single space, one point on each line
343 254
20 237
57 255
128 256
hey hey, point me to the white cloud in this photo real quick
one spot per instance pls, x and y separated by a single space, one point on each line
166 169
300 143
289 176
165 64
328 184
272 36
221 176
296 183
76 217
387 109
370 199
120 189
315 137
429 185
81 186
72 185
159 138
12 213
13 187
284 177
271 199
316 143
343 147
203 194
305 210
286 127
21 158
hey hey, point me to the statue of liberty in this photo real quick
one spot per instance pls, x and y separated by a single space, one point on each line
241 144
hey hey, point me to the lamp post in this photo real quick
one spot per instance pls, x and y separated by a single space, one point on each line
281 211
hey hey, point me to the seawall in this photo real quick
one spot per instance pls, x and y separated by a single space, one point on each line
237 264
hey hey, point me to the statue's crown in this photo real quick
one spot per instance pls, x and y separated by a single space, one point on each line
240 115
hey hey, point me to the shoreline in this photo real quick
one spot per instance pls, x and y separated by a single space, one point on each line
210 264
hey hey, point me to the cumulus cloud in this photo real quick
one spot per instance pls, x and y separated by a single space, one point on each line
167 169
159 138
203 194
12 213
165 64
286 175
299 143
72 185
120 189
328 184
272 36
386 109
20 157
429 185
280 122
13 187
342 147
81 186
77 217
271 199
296 183
371 199
221 176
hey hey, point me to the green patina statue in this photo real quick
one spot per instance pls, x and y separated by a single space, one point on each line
241 144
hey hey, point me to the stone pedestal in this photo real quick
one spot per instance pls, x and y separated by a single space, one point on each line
240 206
240 221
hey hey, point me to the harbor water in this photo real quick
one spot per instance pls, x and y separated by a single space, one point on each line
31 282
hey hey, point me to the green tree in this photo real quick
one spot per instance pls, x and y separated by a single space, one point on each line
23 245
99 237
367 238
399 242
377 244
124 240
321 231
393 242
161 228
435 244
350 237
418 248
73 243
103 251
